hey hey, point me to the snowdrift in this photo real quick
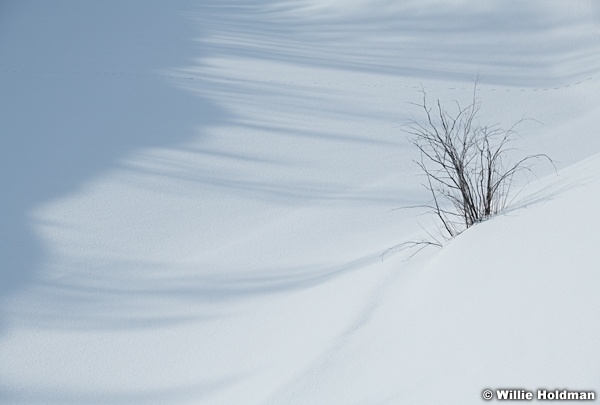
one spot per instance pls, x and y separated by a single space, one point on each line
510 303
196 197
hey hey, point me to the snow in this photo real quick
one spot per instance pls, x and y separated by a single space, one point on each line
196 197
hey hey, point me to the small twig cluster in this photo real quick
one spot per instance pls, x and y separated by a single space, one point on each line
465 164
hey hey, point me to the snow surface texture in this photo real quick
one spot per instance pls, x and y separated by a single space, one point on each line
195 197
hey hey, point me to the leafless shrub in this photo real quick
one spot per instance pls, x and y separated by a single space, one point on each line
465 164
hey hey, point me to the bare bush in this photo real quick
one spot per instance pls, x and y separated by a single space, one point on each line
466 164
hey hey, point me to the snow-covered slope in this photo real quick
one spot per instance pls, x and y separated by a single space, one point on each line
196 196
512 303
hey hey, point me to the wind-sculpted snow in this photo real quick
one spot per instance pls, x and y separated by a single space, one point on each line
196 197
510 303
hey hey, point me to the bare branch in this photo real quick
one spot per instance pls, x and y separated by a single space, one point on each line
464 164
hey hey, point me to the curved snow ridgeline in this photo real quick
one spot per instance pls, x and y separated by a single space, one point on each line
196 196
